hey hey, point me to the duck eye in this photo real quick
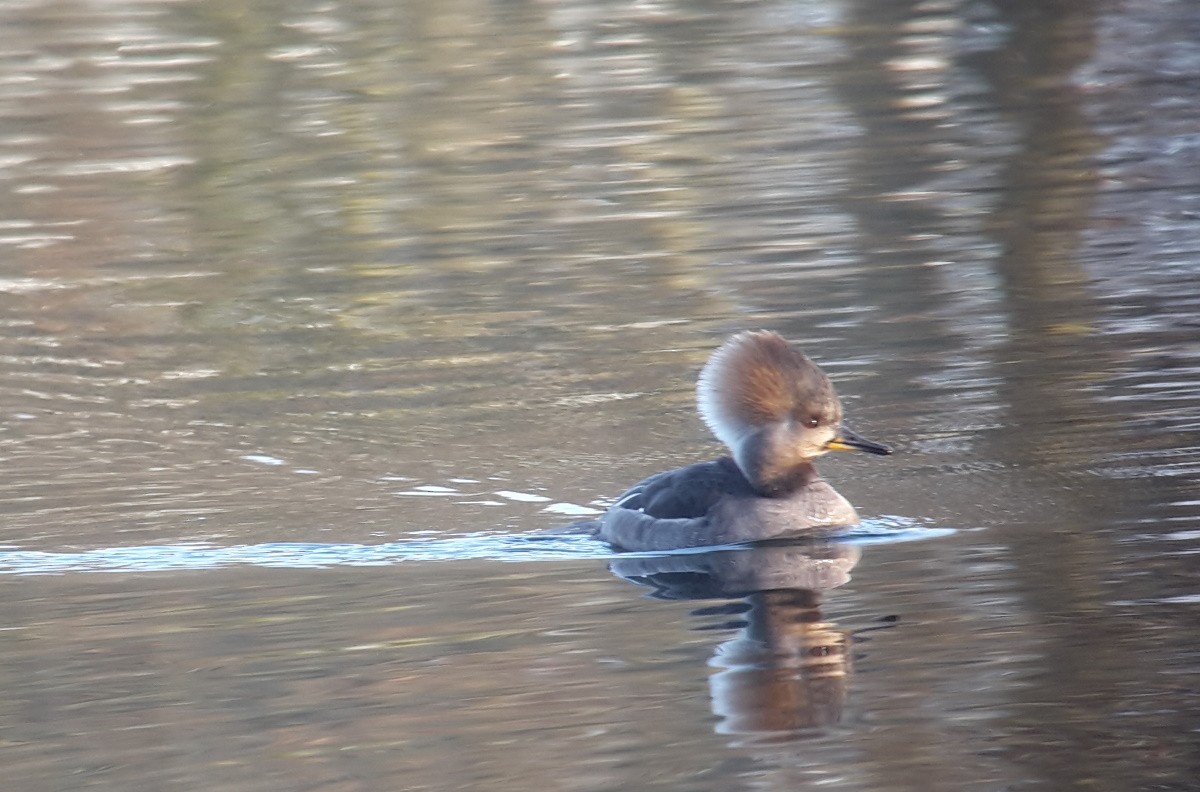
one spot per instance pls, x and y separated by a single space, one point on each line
812 423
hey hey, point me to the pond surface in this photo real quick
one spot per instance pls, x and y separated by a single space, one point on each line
314 314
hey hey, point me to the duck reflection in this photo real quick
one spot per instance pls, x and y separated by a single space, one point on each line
784 675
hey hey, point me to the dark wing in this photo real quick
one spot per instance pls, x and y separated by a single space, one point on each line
687 492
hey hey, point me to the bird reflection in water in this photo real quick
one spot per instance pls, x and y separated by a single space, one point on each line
784 675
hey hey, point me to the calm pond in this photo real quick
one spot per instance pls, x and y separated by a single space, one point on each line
314 314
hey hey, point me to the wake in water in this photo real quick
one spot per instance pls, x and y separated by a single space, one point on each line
317 555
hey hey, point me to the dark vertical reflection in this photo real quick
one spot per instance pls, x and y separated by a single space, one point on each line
1053 355
919 184
1025 192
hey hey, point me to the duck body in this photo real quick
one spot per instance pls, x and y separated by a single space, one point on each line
713 503
776 411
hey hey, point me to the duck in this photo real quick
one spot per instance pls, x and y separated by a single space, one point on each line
775 411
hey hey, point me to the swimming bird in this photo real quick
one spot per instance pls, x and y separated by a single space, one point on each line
775 410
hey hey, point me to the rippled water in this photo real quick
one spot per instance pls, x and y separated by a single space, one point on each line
314 315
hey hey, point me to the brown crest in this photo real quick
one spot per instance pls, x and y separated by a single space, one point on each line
756 378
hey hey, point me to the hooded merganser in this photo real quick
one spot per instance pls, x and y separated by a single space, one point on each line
775 410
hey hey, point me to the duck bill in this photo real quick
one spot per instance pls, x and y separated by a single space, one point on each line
847 440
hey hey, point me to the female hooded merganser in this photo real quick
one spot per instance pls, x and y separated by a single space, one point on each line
775 410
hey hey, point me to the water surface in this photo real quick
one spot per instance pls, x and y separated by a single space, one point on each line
314 314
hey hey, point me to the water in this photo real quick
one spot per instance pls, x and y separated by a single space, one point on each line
314 315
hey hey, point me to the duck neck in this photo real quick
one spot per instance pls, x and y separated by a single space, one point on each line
772 471
779 483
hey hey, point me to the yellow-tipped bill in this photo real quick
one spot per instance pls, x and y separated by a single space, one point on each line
847 440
